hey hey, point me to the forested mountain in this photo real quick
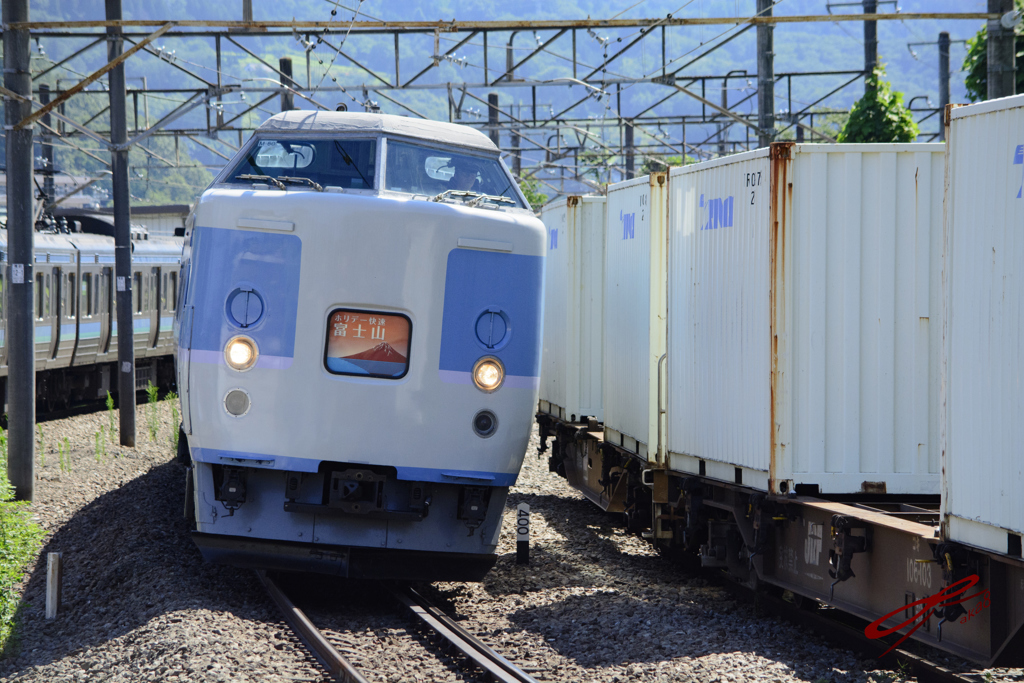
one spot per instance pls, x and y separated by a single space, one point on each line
799 47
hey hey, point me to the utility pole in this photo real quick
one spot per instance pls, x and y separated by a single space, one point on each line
871 44
517 161
122 230
287 99
21 378
943 79
247 10
1002 58
725 105
47 145
629 149
145 103
765 76
492 119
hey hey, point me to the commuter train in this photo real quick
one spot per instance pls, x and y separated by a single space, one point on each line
358 356
76 315
769 364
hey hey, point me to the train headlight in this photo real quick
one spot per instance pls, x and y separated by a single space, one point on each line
241 353
488 374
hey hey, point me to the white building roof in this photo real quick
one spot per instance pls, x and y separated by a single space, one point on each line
353 122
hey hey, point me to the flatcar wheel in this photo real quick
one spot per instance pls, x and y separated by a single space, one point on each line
805 603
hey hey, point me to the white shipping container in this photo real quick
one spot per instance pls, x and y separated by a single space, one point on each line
802 350
570 381
983 364
634 310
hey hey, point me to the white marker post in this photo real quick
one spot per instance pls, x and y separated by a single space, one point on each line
523 533
54 576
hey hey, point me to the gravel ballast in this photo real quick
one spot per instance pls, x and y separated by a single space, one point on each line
139 604
595 604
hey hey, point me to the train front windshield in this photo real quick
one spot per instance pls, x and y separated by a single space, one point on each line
427 171
346 163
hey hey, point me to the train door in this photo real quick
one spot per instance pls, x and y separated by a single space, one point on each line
184 342
154 291
108 317
89 326
140 317
44 325
67 313
57 291
170 303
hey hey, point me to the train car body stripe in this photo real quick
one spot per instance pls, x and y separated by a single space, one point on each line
224 259
88 330
477 282
514 381
204 357
217 456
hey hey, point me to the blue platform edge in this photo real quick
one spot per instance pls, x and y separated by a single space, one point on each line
215 456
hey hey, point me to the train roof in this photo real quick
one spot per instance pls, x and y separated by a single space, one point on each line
304 120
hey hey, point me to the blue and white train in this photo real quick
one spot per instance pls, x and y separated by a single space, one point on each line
359 340
75 313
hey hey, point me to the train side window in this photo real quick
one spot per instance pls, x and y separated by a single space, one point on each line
86 294
72 296
109 299
47 293
172 293
137 293
40 296
154 290
3 297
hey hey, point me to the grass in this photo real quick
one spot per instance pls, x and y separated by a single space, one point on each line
101 443
110 416
152 415
175 420
20 539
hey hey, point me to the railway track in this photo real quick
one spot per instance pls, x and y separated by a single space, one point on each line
489 665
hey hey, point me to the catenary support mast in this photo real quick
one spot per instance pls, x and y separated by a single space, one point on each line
122 231
765 76
21 378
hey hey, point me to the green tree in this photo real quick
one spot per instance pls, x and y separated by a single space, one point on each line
537 199
976 63
653 164
879 116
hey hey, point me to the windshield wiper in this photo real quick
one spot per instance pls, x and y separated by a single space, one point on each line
473 197
296 179
269 179
348 160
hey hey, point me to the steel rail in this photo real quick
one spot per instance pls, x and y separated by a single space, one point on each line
499 668
337 666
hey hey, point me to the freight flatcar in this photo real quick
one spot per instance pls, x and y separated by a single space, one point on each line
777 412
